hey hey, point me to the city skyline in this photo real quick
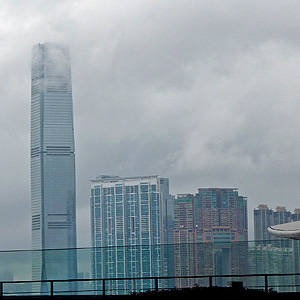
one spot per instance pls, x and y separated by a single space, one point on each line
203 94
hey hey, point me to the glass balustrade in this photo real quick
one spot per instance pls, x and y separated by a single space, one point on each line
124 270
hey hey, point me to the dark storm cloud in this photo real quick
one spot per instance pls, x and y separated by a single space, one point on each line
203 92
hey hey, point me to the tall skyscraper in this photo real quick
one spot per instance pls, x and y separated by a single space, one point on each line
131 220
52 163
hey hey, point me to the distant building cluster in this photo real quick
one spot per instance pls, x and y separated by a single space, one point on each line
265 217
271 255
139 213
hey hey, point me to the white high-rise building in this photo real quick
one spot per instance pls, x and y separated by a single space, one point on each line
132 224
52 164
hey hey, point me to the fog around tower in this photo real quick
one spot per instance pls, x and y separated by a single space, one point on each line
205 93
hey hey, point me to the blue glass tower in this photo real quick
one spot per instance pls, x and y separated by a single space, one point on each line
52 163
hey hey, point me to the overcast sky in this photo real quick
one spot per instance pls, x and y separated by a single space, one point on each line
205 93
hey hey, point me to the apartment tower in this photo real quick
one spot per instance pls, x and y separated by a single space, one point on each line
131 222
210 228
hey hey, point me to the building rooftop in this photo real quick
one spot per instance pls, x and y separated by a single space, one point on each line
115 178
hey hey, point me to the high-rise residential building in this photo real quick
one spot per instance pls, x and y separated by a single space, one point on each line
184 237
263 218
296 215
184 211
131 221
221 215
273 254
206 225
52 163
267 259
282 215
211 215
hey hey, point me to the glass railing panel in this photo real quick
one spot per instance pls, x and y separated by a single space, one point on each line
15 265
18 289
135 268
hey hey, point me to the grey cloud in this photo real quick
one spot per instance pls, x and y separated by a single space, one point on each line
203 92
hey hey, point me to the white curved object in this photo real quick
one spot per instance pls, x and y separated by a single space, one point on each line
287 230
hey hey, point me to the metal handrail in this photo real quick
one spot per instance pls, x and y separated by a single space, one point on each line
156 280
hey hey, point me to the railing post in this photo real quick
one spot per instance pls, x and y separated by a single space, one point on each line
210 281
103 287
266 283
51 289
156 284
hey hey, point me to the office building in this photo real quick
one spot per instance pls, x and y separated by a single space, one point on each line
52 164
131 220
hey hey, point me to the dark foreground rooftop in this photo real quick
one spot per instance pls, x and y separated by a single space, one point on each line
198 293
220 293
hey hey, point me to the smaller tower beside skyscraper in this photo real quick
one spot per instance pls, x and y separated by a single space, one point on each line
132 217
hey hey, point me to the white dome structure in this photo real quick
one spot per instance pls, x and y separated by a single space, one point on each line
287 230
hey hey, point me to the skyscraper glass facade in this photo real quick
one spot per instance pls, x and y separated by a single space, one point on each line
52 162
